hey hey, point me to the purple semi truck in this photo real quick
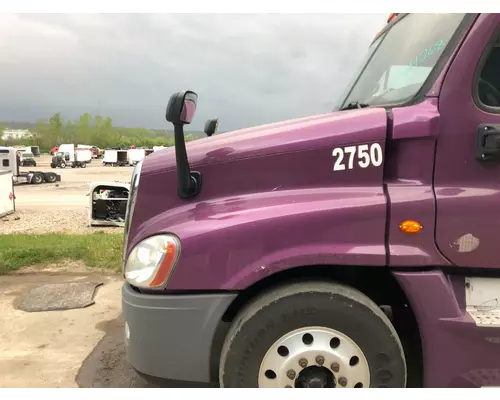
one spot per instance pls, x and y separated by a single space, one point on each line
358 248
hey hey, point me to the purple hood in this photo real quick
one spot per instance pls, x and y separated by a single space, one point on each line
260 185
339 128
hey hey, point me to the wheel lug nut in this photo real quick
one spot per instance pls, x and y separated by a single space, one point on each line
303 362
291 374
335 367
343 382
320 360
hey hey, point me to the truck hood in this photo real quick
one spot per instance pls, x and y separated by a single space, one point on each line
332 129
278 189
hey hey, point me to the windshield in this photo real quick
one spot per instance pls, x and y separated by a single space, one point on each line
400 61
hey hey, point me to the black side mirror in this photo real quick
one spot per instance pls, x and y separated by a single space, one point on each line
181 107
180 111
211 126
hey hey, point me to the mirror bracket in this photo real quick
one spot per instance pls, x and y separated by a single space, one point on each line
194 189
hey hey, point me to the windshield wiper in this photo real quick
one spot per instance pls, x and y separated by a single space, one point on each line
354 105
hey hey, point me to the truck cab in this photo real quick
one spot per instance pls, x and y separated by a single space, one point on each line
355 248
28 159
68 154
10 161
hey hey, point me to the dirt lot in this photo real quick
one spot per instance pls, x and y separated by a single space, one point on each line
79 347
72 348
82 347
63 206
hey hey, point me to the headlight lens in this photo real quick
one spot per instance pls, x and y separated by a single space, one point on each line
152 261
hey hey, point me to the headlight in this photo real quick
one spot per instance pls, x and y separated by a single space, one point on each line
152 261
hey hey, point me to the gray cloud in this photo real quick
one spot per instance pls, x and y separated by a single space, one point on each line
247 69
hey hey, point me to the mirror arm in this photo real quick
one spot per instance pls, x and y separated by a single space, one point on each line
188 183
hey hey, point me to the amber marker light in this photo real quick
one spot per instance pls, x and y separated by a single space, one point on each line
166 264
410 226
389 19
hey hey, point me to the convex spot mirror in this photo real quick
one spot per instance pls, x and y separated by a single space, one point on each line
211 126
181 107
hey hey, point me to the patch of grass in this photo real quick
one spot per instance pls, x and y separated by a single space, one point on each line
95 250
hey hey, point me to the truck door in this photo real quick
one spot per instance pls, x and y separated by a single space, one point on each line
5 164
7 202
467 184
8 160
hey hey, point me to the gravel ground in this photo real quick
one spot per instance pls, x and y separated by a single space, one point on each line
50 220
61 207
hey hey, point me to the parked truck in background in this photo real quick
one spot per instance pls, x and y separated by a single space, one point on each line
357 248
68 154
27 159
10 160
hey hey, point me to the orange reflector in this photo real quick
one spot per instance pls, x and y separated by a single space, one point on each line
392 16
165 266
389 19
410 226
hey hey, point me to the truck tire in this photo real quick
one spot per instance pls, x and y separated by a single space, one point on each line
50 177
37 178
62 165
312 334
83 165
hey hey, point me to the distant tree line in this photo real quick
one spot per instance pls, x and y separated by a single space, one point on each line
92 130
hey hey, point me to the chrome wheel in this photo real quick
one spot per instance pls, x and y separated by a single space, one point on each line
314 357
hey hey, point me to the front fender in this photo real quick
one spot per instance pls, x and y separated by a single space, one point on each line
230 243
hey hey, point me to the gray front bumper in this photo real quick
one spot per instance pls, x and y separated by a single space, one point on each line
170 336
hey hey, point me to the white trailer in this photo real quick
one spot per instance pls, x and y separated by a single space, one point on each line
83 155
95 151
115 157
135 155
110 157
7 198
9 163
35 150
156 148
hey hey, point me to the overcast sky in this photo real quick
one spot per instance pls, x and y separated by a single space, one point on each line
246 69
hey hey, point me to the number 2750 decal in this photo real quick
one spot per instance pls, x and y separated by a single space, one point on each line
365 155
